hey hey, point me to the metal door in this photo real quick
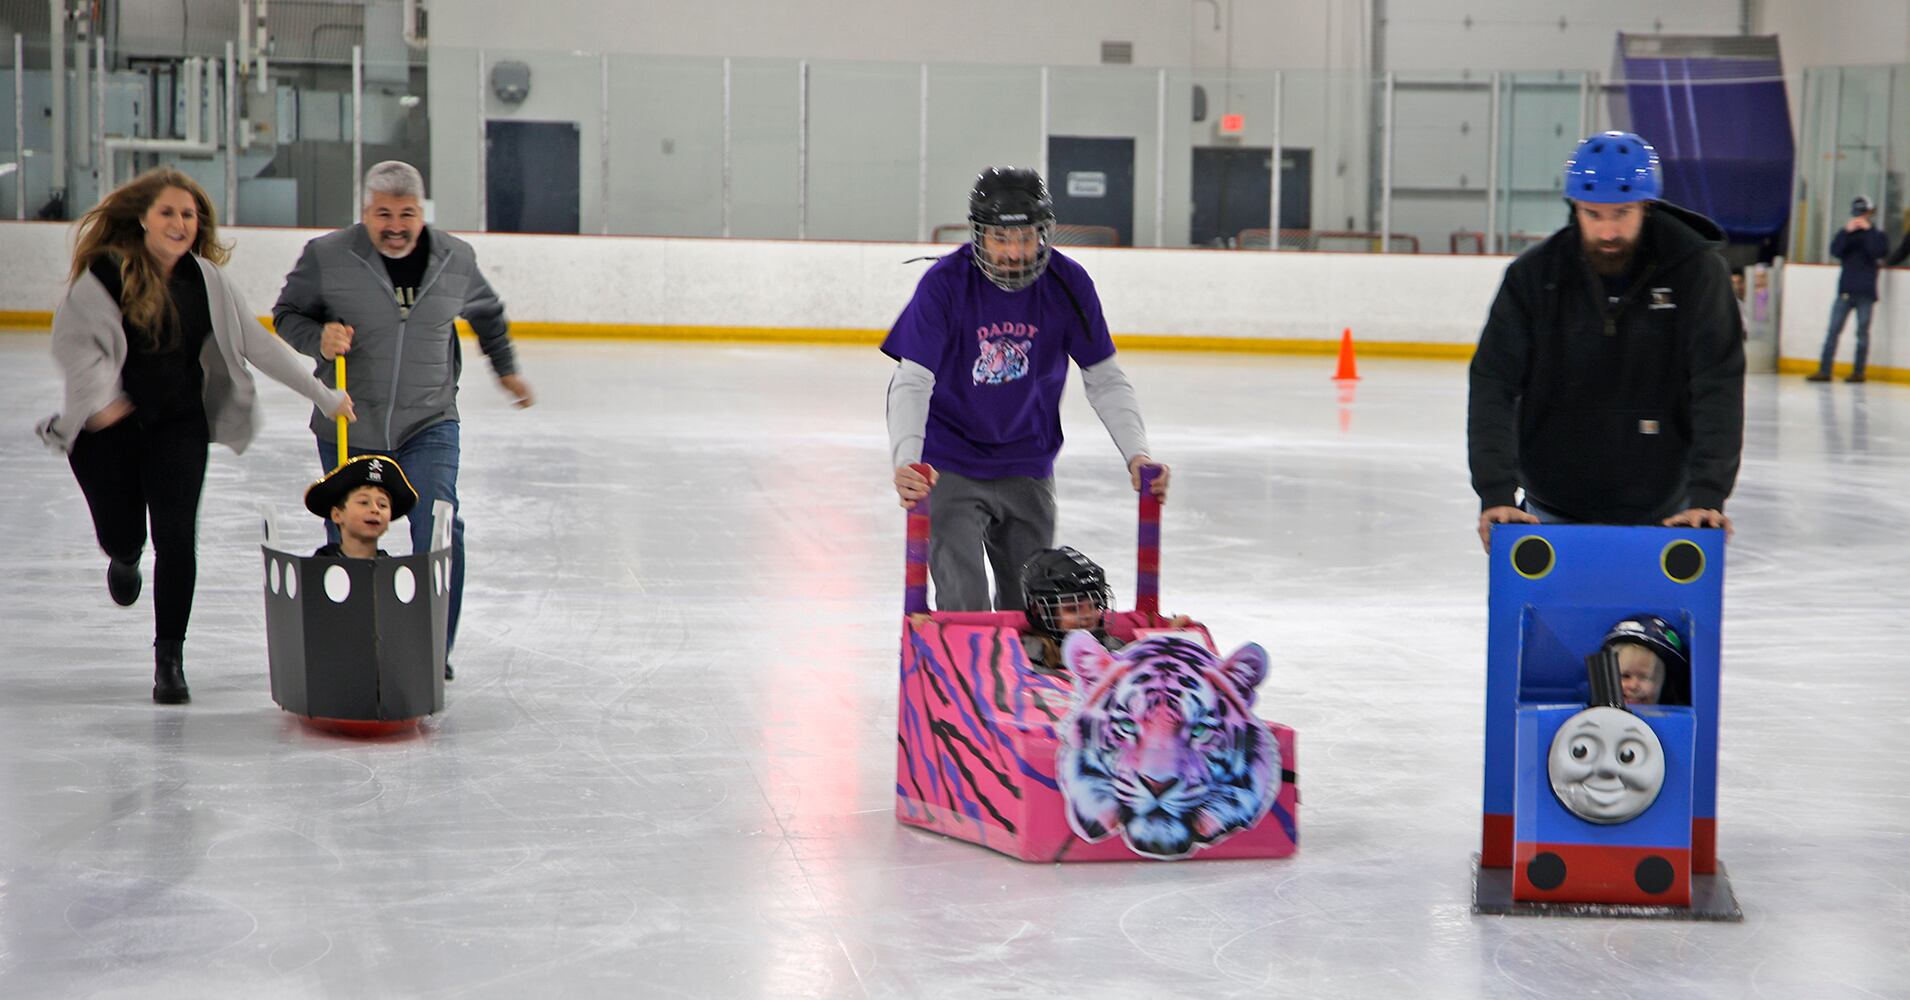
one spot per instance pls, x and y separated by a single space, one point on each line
1092 180
531 182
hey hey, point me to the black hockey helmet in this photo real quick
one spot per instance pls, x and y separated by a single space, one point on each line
1656 634
1054 578
1010 196
1009 201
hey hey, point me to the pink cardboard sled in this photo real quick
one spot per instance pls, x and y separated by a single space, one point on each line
1151 752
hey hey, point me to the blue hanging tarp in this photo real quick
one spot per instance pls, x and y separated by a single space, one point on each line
1715 108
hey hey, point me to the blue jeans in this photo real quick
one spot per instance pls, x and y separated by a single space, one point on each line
1839 311
1546 515
430 461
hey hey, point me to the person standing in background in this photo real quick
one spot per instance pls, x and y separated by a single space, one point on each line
1861 246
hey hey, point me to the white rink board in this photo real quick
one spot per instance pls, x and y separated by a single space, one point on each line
827 286
1809 290
618 281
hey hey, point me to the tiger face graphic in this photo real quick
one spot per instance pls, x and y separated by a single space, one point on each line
1161 744
1003 358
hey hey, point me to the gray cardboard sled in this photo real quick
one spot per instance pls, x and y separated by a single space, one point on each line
358 640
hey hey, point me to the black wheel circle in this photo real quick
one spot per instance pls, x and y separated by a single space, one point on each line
1546 871
1533 557
1682 561
1654 875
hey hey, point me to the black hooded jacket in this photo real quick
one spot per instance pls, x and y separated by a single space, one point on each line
1619 413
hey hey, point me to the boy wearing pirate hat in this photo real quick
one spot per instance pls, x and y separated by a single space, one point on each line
362 496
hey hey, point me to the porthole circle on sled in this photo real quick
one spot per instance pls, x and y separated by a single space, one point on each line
404 585
337 584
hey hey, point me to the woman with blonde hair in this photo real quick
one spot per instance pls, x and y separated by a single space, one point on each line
154 342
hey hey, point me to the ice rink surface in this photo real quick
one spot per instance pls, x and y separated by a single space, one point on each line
666 766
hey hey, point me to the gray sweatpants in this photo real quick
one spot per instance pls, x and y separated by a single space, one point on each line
1008 520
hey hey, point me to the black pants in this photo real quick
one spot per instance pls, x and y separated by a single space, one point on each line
129 472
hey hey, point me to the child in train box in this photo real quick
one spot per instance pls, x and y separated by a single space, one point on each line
1652 665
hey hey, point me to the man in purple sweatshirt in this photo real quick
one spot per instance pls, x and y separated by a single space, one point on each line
982 354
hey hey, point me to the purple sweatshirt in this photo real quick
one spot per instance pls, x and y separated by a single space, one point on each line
1000 361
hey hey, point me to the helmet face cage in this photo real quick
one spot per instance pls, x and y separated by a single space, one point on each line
1054 579
1044 606
1011 276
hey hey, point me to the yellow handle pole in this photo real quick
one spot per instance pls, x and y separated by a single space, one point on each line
339 360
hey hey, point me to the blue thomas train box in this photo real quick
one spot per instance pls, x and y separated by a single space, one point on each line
1552 832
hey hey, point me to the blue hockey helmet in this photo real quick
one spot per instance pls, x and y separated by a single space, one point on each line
1613 168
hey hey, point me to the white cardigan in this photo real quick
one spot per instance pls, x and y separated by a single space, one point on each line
90 345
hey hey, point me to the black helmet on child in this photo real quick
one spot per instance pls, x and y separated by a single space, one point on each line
1054 578
1656 634
1006 199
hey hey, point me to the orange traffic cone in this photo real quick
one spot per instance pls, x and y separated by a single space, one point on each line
1348 371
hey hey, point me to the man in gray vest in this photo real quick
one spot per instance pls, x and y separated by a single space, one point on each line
386 294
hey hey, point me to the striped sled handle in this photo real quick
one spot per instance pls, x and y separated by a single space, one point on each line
1147 555
915 553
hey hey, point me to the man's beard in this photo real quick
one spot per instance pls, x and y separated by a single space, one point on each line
1613 259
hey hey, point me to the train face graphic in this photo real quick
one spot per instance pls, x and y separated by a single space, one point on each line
1606 765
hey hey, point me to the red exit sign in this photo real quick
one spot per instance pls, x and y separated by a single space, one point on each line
1233 124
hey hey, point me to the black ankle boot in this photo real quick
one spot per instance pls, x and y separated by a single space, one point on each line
122 581
169 672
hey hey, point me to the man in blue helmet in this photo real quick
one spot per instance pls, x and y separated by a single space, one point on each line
982 354
1608 384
